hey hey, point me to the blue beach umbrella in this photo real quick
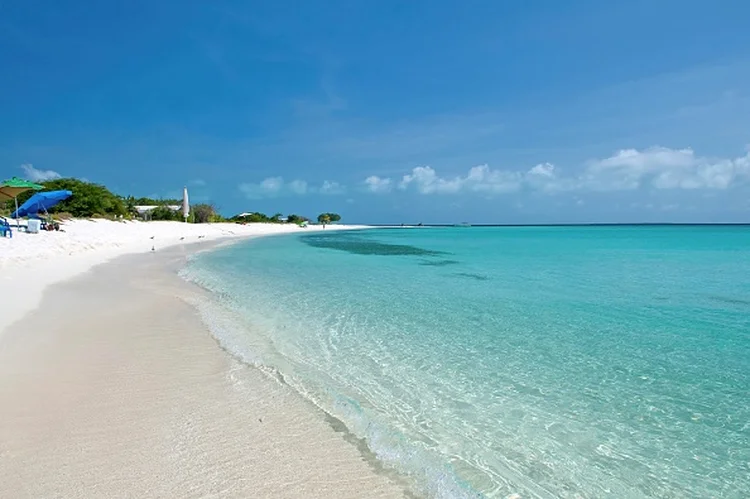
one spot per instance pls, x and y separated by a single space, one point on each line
41 201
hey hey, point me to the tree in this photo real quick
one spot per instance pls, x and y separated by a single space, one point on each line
153 202
130 205
326 218
204 213
88 199
94 200
164 213
256 217
161 212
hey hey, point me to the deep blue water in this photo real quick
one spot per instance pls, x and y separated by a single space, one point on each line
546 362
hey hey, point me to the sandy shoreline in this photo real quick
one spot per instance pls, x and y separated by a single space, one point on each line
119 391
31 262
111 385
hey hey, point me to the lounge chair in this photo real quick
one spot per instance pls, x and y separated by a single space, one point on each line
5 230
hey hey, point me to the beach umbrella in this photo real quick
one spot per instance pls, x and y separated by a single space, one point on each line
185 204
41 201
11 188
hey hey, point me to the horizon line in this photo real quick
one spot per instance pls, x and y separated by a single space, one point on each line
572 224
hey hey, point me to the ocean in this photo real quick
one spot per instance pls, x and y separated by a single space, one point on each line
576 362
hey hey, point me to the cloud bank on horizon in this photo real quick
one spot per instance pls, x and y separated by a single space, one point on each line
541 112
273 187
628 169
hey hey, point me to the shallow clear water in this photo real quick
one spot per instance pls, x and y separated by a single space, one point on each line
546 362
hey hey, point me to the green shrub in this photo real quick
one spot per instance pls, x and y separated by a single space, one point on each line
252 218
204 213
88 199
163 212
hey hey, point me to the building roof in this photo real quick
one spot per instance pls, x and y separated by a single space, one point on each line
146 208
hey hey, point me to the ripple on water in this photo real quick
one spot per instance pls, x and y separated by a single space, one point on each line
584 368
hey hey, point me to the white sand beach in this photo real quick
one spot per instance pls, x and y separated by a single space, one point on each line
38 260
111 386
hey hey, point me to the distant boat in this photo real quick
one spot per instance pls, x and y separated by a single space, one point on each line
463 224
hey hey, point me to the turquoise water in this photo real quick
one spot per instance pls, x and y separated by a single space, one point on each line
486 362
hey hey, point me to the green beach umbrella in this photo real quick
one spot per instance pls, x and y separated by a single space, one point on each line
11 188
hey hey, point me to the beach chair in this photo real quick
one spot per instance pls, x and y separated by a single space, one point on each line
5 230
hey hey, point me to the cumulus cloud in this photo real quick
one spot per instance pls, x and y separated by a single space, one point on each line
546 177
35 175
664 168
270 187
628 169
298 186
655 168
544 170
378 185
277 187
332 188
478 179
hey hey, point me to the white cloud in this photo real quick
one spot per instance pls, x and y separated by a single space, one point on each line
546 170
478 179
332 188
378 185
272 184
39 175
270 187
483 179
298 186
664 168
276 187
654 168
544 177
427 182
198 182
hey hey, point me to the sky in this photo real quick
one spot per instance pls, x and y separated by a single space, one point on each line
542 111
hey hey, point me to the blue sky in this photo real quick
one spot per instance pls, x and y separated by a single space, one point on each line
386 111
